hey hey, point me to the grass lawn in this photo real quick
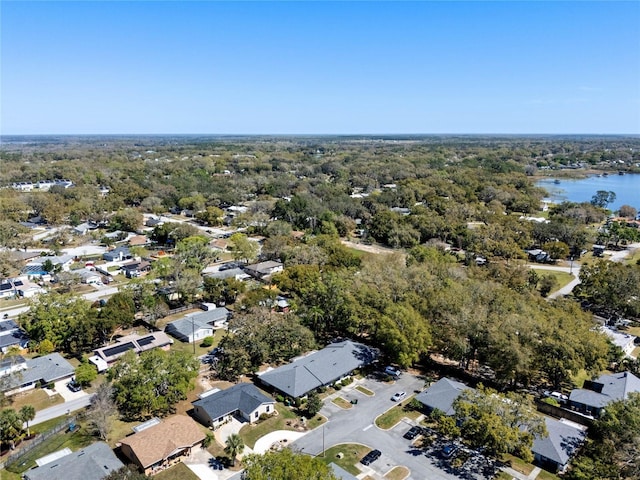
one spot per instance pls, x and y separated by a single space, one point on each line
188 347
544 475
352 453
74 441
396 413
518 464
364 390
633 258
633 331
342 403
37 398
251 433
397 473
562 278
119 429
7 475
178 472
578 380
503 476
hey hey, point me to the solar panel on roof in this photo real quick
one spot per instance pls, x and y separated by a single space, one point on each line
146 340
110 352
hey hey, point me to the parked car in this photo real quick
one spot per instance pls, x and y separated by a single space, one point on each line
74 386
398 396
413 432
371 457
561 398
449 450
394 372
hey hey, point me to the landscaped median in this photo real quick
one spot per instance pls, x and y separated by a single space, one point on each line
346 455
341 402
396 413
365 390
398 473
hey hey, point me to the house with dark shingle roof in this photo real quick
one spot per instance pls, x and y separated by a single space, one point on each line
441 395
324 367
40 370
243 400
595 395
94 462
554 451
189 329
10 335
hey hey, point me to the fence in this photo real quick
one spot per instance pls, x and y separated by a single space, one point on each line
15 457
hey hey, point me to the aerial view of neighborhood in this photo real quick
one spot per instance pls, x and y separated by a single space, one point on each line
224 255
379 307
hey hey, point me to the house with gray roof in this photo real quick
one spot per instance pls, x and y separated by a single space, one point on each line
595 395
441 395
11 335
318 369
36 266
264 270
242 400
554 451
40 371
189 329
94 462
117 254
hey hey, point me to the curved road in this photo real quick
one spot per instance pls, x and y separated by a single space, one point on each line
568 288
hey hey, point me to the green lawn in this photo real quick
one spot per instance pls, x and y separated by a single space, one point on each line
398 473
518 464
188 347
38 399
364 390
178 472
342 403
544 475
396 413
75 441
562 278
633 258
251 433
352 453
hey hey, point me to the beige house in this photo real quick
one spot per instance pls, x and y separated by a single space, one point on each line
162 445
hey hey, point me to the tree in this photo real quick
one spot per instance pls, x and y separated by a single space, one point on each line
628 211
314 404
10 426
234 445
86 373
128 220
547 283
243 248
27 413
501 424
194 252
556 250
603 198
152 383
101 411
128 472
286 465
211 216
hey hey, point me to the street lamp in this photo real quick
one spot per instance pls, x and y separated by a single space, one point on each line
571 266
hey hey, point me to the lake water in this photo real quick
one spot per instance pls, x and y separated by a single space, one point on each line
626 188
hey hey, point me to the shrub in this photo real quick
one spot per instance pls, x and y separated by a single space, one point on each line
207 342
279 398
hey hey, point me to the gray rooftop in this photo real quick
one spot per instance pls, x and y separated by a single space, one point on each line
186 326
319 368
91 463
48 368
616 386
224 274
561 443
210 316
442 394
243 396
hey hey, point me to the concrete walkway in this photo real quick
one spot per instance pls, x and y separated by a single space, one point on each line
284 437
520 476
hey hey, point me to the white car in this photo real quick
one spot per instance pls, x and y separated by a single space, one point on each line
398 396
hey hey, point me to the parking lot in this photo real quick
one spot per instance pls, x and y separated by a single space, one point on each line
356 425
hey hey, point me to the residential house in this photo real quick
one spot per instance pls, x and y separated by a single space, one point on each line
7 290
89 276
263 270
235 273
37 265
117 254
441 395
94 462
243 400
11 335
137 343
318 369
138 241
554 451
136 268
27 289
595 395
153 222
189 329
38 371
162 445
83 228
626 342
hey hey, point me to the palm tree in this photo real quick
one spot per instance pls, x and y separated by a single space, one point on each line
27 413
234 446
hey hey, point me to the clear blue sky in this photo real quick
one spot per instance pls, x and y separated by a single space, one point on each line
316 67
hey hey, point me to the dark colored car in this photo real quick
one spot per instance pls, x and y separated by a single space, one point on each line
413 433
74 386
371 457
449 450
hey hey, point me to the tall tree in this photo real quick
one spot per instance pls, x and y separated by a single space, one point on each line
27 413
286 465
234 446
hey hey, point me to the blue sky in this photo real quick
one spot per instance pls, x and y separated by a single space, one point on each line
319 67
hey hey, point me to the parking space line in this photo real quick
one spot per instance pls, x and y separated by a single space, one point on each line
367 427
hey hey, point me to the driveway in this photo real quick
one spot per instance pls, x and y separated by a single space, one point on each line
356 425
61 388
199 462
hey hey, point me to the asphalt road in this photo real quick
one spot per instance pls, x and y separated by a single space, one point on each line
62 409
356 425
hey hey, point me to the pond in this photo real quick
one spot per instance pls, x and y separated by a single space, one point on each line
626 187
